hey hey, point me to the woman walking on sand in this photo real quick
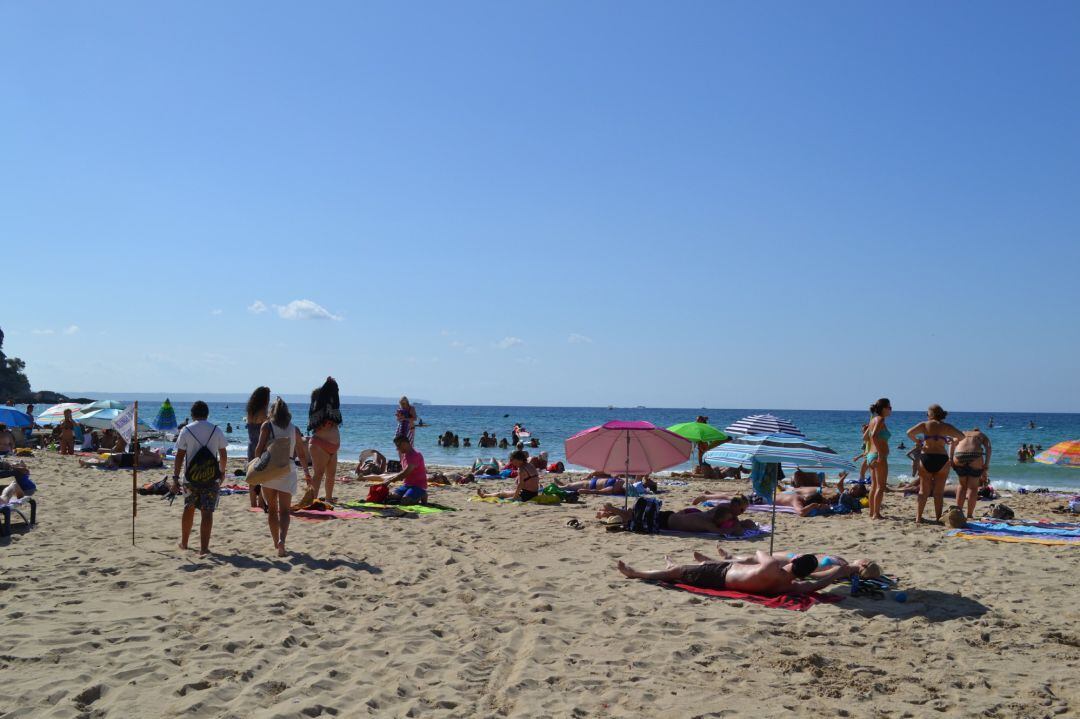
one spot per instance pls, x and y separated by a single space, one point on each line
934 461
406 420
324 421
876 437
278 493
258 409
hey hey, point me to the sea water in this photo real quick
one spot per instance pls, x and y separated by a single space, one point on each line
373 426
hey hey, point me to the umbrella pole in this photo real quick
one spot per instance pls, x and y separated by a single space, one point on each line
772 534
135 474
626 478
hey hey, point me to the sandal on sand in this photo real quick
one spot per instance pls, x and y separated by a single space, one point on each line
575 524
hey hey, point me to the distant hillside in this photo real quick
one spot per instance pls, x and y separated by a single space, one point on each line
229 397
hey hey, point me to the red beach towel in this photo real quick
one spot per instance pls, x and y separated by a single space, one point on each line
794 602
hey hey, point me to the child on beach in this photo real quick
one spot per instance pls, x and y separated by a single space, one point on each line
528 479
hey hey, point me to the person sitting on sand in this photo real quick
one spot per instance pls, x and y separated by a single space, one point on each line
802 478
413 474
763 574
7 440
609 485
722 519
528 479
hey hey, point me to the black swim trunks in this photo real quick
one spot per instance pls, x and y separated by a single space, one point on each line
525 495
662 518
711 575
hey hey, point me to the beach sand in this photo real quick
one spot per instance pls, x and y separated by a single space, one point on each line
503 610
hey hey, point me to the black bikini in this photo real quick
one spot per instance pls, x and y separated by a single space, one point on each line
934 463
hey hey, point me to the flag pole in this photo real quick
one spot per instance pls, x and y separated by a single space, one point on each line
776 481
135 474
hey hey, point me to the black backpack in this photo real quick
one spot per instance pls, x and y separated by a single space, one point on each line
202 469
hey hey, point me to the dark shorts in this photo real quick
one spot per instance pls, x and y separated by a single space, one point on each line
966 470
662 518
711 575
934 463
526 494
203 499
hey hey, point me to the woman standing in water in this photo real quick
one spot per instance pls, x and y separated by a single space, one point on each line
324 420
406 420
934 462
278 493
258 409
876 437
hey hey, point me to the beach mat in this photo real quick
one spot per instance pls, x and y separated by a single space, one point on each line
1054 534
794 602
414 508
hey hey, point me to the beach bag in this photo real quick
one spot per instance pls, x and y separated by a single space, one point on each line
274 463
202 469
393 465
955 518
1002 511
378 493
645 518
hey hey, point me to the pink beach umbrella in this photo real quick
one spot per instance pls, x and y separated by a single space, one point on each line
627 447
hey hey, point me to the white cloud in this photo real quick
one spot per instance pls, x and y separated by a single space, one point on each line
304 310
576 339
528 361
457 344
215 312
257 307
507 342
445 333
71 329
42 332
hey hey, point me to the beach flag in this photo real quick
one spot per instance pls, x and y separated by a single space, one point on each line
125 423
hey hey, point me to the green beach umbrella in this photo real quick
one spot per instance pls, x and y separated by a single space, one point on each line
698 432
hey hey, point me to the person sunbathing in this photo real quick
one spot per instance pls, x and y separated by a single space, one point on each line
951 490
723 519
609 485
7 440
148 459
763 574
868 569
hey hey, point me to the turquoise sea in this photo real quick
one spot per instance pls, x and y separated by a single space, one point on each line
373 426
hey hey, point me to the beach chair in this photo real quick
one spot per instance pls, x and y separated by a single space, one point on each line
7 509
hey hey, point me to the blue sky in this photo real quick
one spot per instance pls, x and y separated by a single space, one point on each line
723 204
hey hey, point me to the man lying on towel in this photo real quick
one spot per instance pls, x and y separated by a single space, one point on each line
763 574
722 519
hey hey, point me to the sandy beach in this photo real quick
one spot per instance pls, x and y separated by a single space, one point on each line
503 610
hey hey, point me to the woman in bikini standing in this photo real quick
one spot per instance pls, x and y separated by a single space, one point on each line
67 434
971 460
934 461
324 420
258 409
876 437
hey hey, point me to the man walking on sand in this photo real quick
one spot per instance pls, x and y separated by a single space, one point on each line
200 452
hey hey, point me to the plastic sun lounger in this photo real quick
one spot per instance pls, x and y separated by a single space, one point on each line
5 516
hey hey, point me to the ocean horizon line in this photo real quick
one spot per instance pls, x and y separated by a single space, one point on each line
378 400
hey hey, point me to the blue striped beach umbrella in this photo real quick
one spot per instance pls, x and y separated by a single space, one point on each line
787 450
764 452
764 424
